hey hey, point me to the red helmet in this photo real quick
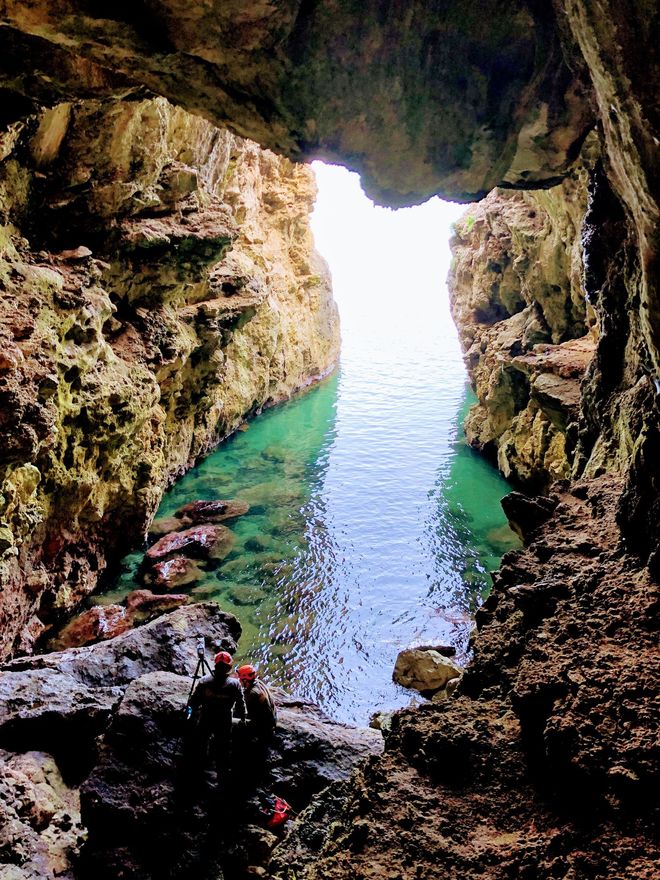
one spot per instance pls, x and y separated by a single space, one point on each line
246 674
223 658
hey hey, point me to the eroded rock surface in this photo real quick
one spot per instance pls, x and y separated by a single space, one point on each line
40 829
545 762
547 771
527 331
160 283
456 97
132 803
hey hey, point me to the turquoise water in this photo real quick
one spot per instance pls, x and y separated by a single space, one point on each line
372 524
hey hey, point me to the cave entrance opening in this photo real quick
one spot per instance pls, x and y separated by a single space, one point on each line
372 525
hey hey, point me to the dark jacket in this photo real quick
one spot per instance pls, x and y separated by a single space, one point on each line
261 711
215 699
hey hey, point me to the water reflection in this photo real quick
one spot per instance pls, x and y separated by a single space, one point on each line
356 543
372 524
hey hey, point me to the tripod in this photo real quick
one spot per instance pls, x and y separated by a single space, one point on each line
202 666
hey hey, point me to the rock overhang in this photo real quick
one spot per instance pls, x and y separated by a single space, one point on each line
420 98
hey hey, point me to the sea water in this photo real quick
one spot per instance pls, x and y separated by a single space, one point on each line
372 524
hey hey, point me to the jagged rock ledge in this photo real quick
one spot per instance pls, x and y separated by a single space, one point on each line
92 782
544 763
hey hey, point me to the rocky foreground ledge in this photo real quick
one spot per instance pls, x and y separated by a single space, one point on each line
91 783
544 764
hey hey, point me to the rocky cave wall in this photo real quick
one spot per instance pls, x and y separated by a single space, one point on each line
545 762
527 331
159 284
452 97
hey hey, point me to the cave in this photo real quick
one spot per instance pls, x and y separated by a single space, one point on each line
144 149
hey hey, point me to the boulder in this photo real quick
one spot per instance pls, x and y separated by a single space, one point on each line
144 605
164 525
94 625
205 540
137 824
62 701
211 511
149 815
311 750
103 622
424 670
526 513
168 574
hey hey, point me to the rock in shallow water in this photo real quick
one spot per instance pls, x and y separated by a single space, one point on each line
143 604
94 625
424 670
178 571
103 622
211 511
208 540
164 525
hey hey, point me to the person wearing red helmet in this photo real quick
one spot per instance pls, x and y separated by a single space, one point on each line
214 701
259 703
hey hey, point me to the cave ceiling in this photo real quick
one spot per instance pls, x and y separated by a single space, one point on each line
448 97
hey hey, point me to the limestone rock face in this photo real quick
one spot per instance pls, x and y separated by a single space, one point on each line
160 284
481 90
40 829
517 298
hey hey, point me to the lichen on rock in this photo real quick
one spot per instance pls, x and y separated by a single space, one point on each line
161 284
527 331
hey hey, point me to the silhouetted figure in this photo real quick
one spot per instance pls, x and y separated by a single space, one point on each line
260 706
213 703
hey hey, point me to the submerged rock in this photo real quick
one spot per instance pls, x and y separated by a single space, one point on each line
168 574
143 604
94 625
211 511
103 622
424 670
245 595
164 525
206 540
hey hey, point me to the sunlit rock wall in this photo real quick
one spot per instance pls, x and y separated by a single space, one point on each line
526 329
159 284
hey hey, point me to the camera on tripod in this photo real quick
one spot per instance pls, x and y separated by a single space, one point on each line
200 669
